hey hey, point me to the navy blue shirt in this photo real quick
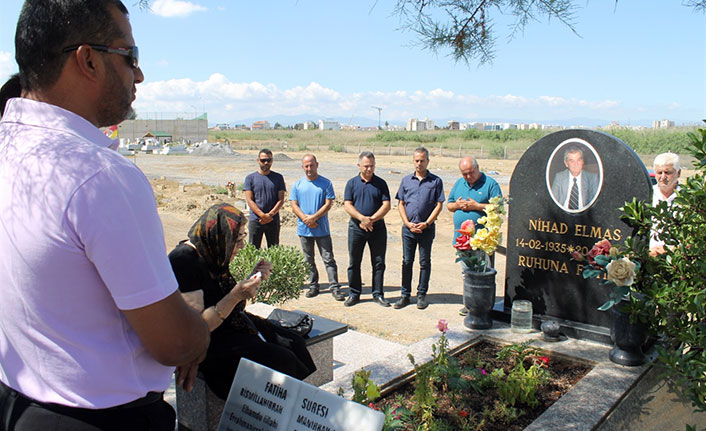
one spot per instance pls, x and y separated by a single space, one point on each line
420 196
367 197
265 189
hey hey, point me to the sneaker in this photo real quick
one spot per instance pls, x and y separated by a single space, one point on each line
402 302
337 295
422 302
352 300
313 291
463 311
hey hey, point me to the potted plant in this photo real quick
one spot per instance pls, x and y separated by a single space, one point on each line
474 247
619 268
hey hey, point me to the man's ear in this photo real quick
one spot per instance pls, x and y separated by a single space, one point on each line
87 62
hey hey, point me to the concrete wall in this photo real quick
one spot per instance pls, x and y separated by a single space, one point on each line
190 130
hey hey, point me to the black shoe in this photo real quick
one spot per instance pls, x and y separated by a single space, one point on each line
463 311
337 295
381 301
402 302
352 300
313 291
422 302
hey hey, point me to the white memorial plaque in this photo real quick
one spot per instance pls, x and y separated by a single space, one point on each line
262 399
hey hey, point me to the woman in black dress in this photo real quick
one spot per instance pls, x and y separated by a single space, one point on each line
200 265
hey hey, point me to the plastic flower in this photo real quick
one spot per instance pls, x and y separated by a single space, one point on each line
600 248
442 326
544 359
621 271
463 242
467 228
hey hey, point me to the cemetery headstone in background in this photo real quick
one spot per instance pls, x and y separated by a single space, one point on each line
542 226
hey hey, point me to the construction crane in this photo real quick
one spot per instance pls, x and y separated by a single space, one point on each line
379 113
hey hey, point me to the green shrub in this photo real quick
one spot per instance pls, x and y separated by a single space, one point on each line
289 271
337 148
220 191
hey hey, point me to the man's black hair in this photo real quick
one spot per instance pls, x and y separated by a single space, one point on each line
45 27
10 89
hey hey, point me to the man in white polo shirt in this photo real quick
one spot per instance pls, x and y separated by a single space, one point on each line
91 322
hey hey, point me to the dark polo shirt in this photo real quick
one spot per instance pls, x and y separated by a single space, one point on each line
367 197
420 196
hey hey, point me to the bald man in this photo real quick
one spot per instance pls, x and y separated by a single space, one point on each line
469 196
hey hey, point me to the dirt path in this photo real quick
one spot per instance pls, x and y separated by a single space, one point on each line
182 185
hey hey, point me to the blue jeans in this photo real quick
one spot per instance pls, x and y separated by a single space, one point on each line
325 247
410 241
377 241
270 230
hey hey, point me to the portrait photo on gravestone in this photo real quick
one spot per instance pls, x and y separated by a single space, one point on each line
542 230
574 175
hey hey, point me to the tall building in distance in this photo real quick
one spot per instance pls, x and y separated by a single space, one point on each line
662 124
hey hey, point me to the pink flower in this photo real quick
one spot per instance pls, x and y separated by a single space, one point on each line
600 248
482 371
467 228
578 257
442 326
372 406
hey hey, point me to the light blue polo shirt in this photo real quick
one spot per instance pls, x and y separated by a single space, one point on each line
481 192
311 196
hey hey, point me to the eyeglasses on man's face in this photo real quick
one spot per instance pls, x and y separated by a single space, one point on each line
265 160
131 54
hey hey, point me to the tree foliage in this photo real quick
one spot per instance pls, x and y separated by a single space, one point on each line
466 27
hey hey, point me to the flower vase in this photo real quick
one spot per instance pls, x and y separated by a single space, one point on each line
479 298
628 338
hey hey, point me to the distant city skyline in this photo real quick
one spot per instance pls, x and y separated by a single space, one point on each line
634 63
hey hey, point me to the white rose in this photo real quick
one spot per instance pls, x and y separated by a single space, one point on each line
621 271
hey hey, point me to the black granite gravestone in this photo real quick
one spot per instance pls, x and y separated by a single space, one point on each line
545 220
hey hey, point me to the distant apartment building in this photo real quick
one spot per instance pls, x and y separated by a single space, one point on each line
329 125
414 125
492 127
310 125
662 124
508 126
261 125
453 125
476 126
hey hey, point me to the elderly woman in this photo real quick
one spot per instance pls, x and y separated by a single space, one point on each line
201 268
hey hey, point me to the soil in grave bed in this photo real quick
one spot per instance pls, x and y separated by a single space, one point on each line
482 408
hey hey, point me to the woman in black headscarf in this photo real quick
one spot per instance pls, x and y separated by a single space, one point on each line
200 265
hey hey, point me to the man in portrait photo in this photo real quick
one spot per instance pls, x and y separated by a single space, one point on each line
574 188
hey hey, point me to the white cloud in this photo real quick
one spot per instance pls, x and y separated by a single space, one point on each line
175 8
8 66
227 101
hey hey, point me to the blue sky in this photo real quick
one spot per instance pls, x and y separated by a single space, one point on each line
633 63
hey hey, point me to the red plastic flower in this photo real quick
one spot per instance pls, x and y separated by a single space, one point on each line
467 228
544 359
600 248
463 242
442 326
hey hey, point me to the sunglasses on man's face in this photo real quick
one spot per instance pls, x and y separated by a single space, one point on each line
265 160
131 54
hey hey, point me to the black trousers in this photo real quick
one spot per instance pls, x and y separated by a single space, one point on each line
270 230
19 413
